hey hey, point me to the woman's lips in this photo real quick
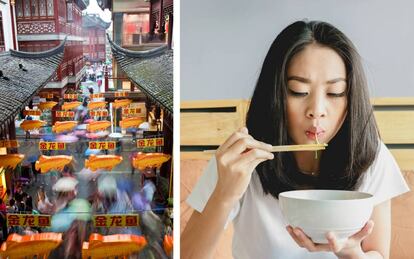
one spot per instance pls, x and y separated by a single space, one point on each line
312 135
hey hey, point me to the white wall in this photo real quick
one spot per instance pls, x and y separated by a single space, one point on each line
223 43
7 25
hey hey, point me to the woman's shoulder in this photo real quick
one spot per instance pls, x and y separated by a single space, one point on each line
383 178
383 158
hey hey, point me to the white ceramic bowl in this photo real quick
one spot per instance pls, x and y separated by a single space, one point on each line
317 212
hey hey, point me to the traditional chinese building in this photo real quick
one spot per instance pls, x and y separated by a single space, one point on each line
42 25
161 20
138 25
151 71
94 38
139 22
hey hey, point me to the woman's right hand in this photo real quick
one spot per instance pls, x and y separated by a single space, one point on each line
236 160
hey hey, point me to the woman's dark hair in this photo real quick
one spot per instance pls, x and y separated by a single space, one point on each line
350 152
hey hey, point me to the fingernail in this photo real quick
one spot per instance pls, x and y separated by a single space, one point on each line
297 232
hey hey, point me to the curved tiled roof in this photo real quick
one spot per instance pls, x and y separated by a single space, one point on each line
22 75
94 20
150 70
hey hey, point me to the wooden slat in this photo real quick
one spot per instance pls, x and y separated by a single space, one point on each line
396 127
211 103
195 155
404 158
208 128
394 101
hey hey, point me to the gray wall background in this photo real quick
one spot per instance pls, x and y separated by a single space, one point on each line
223 43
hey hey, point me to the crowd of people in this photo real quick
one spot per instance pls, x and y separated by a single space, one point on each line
72 214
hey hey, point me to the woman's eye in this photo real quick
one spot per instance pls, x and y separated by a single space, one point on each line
294 93
337 94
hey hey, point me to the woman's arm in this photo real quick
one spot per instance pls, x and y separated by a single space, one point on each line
379 240
203 231
236 160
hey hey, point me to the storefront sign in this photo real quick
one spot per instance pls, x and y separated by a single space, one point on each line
126 111
32 112
102 145
121 94
97 95
115 220
46 95
101 113
8 143
150 142
70 96
52 145
65 114
28 220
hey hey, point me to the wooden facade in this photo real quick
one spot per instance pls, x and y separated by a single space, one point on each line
94 38
161 18
43 24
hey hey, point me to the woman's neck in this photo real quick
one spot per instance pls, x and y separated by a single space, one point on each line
308 162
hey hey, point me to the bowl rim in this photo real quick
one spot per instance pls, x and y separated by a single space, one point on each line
333 230
286 195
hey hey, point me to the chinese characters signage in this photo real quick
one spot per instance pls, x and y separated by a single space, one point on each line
46 95
150 142
102 113
65 114
32 112
28 220
70 96
8 143
102 145
121 94
131 111
52 145
97 95
115 220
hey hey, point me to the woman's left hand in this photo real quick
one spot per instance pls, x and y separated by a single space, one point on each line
351 248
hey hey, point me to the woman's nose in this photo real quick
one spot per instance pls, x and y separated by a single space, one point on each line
316 109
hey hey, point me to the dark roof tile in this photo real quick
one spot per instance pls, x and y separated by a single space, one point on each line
16 92
151 71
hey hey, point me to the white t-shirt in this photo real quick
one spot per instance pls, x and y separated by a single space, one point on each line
259 226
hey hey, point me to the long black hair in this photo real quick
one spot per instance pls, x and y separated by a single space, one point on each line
353 148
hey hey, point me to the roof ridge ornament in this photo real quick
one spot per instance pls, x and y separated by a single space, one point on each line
21 67
4 77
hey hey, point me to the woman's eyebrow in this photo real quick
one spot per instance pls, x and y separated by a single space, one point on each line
308 81
336 80
300 79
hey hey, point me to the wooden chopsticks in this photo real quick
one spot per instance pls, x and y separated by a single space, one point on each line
288 148
307 147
